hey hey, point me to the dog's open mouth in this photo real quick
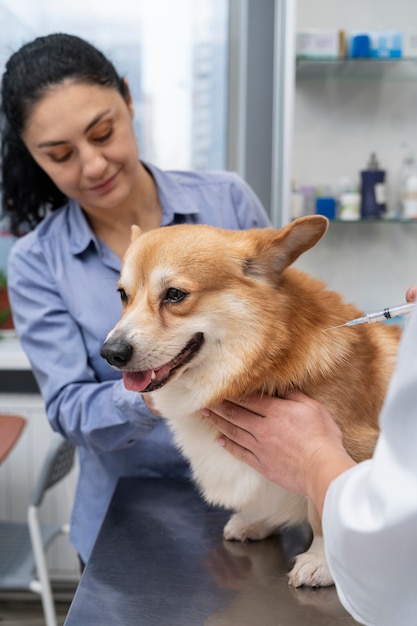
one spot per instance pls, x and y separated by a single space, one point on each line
153 379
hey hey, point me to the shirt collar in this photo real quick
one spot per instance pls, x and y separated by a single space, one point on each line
174 199
80 232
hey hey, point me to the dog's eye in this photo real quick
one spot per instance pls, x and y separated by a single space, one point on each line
174 295
123 295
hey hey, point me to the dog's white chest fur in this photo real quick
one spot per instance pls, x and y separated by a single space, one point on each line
223 479
262 507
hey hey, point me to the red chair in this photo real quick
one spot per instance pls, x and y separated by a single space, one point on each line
11 427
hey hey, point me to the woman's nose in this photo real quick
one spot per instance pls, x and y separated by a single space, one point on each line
93 162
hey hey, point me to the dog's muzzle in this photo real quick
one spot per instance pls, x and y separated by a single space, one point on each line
117 352
120 353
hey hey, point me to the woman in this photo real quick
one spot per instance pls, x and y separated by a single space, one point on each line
71 172
369 510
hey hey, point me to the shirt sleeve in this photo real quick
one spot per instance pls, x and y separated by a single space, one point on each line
97 414
249 210
370 511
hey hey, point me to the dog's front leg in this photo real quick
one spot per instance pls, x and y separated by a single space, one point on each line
243 526
311 567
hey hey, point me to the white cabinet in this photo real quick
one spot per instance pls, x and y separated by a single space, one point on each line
343 111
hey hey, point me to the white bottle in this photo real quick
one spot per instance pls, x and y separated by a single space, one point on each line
350 206
297 202
409 188
349 200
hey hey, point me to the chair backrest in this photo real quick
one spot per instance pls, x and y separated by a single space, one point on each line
57 465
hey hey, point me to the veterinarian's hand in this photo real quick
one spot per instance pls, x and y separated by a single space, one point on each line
411 294
292 441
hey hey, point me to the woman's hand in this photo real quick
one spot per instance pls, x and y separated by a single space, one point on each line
292 441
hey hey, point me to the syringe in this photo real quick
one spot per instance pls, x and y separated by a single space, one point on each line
381 316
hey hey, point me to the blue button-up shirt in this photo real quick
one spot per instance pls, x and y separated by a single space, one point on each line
62 282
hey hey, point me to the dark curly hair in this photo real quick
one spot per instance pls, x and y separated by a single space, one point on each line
27 192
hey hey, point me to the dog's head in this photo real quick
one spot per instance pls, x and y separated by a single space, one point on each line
199 302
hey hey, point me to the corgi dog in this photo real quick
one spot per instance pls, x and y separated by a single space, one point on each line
211 314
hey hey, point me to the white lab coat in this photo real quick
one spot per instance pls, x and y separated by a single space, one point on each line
370 511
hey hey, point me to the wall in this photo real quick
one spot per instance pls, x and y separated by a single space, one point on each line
370 264
337 124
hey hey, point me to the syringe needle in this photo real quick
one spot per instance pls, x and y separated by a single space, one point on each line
339 326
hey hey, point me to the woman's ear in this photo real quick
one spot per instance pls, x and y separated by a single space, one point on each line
128 97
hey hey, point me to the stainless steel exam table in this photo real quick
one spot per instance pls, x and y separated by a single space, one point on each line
160 560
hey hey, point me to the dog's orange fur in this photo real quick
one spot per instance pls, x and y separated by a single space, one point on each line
265 328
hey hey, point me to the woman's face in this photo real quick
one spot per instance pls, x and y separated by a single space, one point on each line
82 136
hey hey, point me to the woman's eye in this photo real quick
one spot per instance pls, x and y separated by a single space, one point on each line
60 158
123 295
174 295
104 138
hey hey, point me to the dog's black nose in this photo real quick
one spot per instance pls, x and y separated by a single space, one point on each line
117 352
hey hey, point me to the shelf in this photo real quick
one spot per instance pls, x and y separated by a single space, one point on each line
368 220
374 220
357 69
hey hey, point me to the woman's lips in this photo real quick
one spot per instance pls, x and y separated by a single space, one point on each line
106 186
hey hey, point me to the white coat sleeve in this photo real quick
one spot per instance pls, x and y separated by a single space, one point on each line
370 511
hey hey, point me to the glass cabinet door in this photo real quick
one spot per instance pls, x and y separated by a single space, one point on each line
344 111
348 109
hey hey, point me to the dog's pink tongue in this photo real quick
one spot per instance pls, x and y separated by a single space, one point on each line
137 381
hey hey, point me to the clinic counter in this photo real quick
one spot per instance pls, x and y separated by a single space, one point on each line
160 560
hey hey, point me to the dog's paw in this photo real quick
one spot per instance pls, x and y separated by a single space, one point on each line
237 529
311 567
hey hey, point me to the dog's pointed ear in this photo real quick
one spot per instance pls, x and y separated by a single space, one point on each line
279 249
299 236
135 232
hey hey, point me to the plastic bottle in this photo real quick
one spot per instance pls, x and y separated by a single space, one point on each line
297 202
349 206
349 200
409 188
309 194
373 194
